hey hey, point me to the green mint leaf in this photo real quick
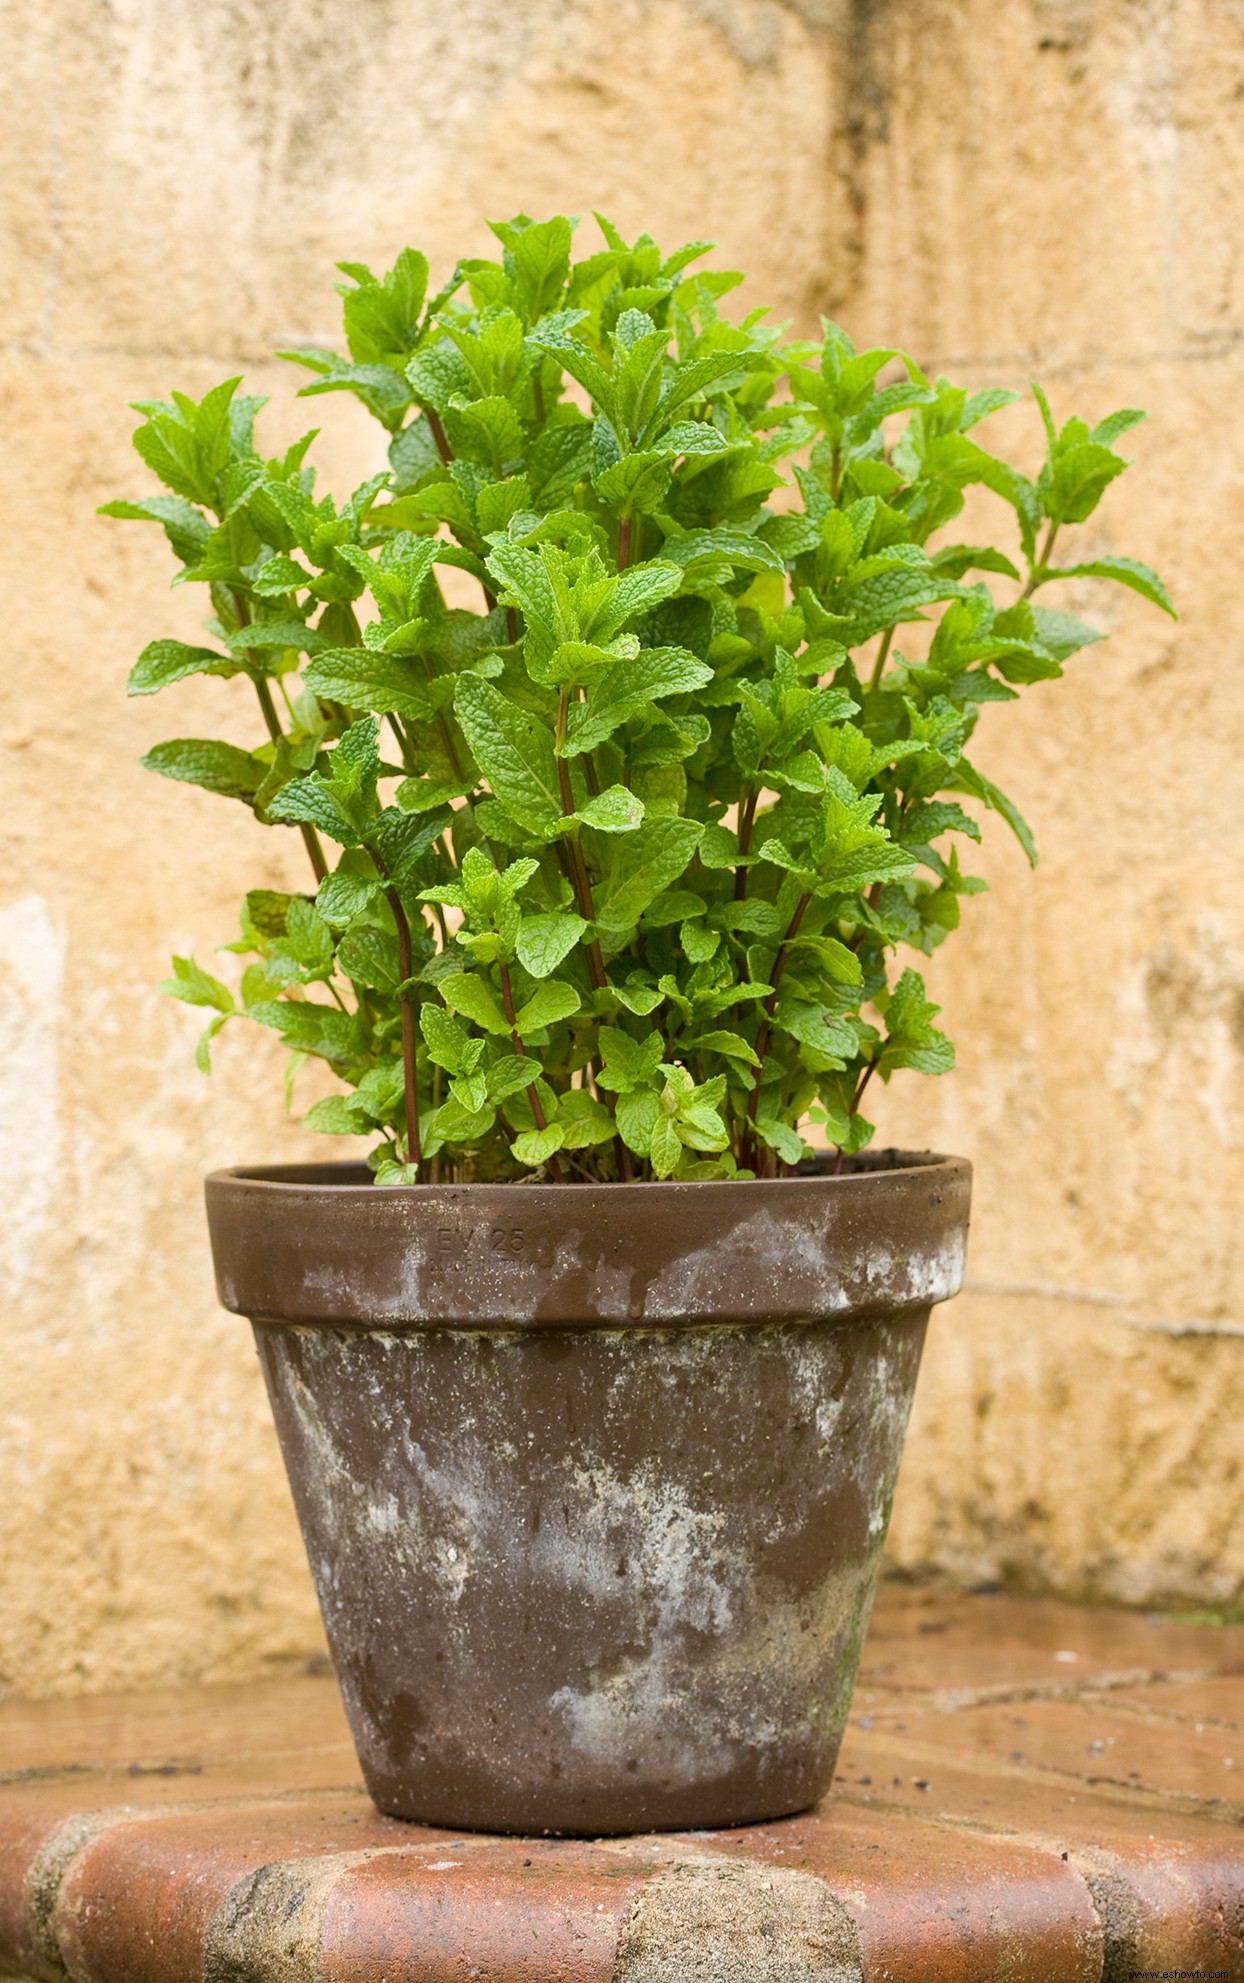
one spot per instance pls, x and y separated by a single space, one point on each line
165 661
535 1146
969 779
1124 571
362 679
643 865
664 1146
186 527
195 986
338 1115
475 1000
617 810
215 766
733 1045
627 688
514 750
545 942
549 1003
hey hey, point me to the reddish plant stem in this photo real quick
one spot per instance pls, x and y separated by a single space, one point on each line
624 543
766 1024
872 899
573 853
747 817
853 1109
406 964
443 448
537 1112
310 838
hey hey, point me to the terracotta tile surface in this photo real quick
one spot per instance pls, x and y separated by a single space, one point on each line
1026 1790
1211 1701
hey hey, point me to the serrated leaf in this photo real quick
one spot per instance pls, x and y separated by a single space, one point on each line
550 1002
642 866
338 1115
1124 571
363 679
535 1146
446 1040
617 810
186 527
514 750
545 942
164 661
664 1146
636 1116
342 897
315 1029
195 986
468 994
215 766
628 687
733 1045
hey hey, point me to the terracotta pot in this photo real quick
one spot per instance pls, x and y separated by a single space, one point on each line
593 1480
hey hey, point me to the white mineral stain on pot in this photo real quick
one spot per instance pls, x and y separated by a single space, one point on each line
709 1277
447 1519
383 1515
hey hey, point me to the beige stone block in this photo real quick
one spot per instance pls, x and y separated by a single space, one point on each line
1045 179
215 161
1072 1444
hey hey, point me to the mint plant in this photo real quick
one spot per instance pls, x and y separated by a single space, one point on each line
610 877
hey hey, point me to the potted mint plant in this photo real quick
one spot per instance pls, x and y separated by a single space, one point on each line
626 720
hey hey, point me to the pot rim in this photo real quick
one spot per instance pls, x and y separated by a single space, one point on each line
352 1175
319 1245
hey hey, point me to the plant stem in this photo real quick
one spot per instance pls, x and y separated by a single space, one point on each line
766 1024
574 853
537 1112
747 816
1042 560
853 1109
624 543
310 838
443 448
883 655
406 964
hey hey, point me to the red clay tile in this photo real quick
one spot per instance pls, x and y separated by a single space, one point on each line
168 1725
929 1641
1083 1739
941 1905
525 1911
972 1623
136 1905
1210 1701
885 1769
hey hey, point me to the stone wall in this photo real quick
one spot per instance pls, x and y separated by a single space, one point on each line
1009 186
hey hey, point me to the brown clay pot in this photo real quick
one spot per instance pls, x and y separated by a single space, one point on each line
593 1480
